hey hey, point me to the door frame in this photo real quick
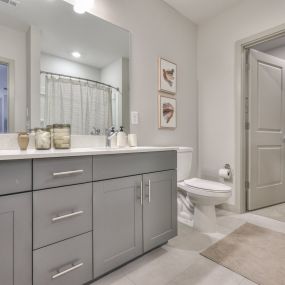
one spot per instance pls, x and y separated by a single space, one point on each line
10 93
241 113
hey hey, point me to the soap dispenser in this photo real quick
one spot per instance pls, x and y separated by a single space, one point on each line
122 139
113 139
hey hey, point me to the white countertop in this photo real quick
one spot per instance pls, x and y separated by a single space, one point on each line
32 153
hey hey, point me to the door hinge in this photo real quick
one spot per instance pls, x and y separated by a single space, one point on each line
247 125
246 185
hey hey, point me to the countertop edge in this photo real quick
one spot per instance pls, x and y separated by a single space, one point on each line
37 154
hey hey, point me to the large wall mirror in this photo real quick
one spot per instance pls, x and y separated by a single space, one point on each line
57 66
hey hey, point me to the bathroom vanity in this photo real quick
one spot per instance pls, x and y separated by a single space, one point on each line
68 217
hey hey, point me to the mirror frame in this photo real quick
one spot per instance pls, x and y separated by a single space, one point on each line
10 93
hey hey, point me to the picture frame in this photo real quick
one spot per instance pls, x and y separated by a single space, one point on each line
167 76
167 112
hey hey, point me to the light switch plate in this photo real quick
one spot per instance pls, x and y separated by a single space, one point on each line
134 118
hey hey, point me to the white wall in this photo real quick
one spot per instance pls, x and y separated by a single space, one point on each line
55 64
216 73
112 74
33 76
157 30
13 47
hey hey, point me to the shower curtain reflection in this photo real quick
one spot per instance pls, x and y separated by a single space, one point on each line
86 105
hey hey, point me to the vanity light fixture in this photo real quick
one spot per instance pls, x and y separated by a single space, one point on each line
76 54
81 6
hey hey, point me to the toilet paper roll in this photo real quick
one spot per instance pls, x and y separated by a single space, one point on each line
225 173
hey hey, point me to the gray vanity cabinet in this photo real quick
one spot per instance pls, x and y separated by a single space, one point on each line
117 218
16 239
160 208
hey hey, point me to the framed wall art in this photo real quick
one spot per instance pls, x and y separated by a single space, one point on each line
167 112
167 76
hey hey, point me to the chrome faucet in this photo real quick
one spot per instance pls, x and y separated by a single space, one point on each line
95 132
110 133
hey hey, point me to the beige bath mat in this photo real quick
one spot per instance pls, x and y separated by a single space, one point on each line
253 252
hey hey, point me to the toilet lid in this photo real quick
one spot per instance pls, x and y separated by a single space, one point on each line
207 185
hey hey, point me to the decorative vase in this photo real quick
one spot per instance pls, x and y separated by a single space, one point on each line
23 140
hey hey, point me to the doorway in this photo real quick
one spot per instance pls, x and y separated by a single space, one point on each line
4 108
260 120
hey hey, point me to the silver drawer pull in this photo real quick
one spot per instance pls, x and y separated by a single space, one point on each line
67 216
67 270
66 173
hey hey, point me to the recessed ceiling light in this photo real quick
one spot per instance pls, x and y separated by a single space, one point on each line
76 54
81 6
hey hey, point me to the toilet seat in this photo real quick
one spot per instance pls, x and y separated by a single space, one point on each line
206 185
197 192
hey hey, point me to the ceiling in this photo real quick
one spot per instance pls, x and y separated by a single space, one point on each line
63 31
199 11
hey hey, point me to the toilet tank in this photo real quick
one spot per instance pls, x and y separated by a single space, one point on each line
184 162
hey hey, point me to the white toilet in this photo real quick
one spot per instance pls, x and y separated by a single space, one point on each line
200 195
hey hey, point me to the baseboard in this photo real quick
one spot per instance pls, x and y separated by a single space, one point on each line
229 207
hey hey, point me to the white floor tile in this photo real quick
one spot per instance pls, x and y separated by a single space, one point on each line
179 262
206 272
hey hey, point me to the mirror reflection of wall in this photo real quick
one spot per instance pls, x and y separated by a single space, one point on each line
3 97
76 67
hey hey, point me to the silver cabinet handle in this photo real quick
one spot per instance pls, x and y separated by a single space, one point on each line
56 219
73 172
149 191
67 270
141 192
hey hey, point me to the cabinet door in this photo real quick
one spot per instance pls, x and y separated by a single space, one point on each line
16 239
160 208
117 217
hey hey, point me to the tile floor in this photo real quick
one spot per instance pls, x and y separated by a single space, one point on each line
276 212
179 262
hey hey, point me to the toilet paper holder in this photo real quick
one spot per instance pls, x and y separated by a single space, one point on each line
227 166
226 172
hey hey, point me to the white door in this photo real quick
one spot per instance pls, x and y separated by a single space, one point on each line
266 131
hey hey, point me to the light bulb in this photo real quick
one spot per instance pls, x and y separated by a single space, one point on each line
81 6
76 54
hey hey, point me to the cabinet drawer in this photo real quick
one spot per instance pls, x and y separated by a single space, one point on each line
61 213
15 176
120 165
65 263
53 172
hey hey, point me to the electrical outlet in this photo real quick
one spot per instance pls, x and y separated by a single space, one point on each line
134 118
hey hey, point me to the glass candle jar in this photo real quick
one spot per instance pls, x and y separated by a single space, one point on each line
42 139
50 128
61 136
